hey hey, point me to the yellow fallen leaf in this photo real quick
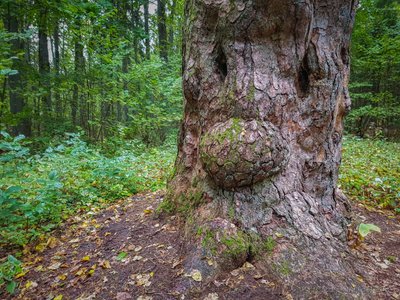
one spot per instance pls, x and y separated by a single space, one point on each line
91 272
196 275
86 258
52 242
19 275
148 211
40 247
30 284
279 235
39 268
59 297
81 272
62 277
107 233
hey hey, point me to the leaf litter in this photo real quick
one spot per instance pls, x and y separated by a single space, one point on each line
127 252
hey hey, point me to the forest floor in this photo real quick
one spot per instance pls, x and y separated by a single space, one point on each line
127 252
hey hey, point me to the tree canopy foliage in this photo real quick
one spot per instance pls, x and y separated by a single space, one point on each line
95 66
376 69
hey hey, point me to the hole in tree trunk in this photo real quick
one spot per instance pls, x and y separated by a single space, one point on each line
220 61
344 53
303 78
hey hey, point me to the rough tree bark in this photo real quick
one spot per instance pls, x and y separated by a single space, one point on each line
265 86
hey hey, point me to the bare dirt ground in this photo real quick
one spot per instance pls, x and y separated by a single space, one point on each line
127 252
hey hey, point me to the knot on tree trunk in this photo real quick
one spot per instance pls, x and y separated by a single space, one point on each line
239 153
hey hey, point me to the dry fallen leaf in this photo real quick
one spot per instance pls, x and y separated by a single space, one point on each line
52 242
55 266
30 284
105 264
39 268
81 272
175 263
40 247
62 276
144 298
212 296
123 296
142 279
248 266
196 275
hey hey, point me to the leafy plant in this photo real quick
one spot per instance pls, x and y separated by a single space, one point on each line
365 229
38 192
8 270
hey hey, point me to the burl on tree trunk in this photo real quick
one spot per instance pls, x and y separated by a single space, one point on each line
265 86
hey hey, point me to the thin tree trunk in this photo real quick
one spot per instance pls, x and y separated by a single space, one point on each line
44 62
16 82
56 37
79 69
162 30
265 86
171 31
146 28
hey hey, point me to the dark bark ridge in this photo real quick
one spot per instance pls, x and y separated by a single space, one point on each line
265 86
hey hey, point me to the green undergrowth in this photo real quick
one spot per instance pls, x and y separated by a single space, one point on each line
39 191
370 172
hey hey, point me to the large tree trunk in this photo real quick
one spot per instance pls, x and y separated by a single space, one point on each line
265 86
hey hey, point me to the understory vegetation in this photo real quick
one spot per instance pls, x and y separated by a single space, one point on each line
40 190
370 172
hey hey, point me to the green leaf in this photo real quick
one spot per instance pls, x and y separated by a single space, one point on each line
121 255
8 72
52 174
365 229
11 287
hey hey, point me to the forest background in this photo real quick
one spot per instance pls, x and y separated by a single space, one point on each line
91 101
